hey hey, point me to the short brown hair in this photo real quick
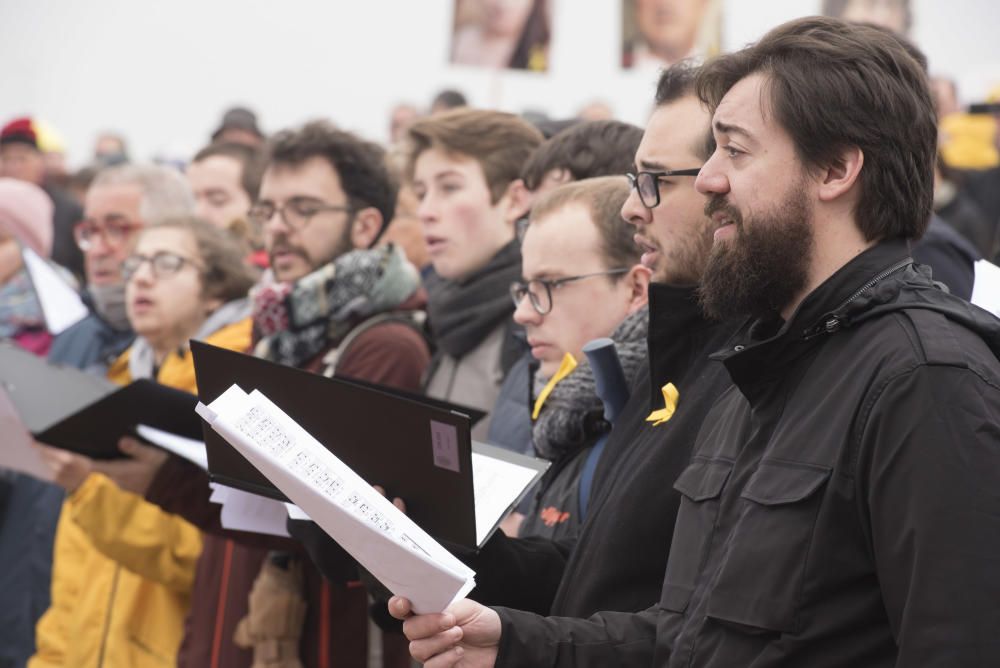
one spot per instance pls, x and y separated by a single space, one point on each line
835 85
225 274
603 198
585 150
359 164
500 142
249 157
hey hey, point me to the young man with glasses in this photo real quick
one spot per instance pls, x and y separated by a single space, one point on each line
336 303
582 281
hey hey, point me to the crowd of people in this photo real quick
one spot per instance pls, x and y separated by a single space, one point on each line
805 471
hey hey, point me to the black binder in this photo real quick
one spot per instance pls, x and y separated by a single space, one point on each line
386 436
73 410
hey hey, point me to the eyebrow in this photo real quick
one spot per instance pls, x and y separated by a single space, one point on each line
652 165
448 172
729 129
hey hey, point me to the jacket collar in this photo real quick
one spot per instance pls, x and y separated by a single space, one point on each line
763 347
677 334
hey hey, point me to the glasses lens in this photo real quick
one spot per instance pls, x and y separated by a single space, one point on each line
131 265
540 297
260 213
165 264
648 188
82 235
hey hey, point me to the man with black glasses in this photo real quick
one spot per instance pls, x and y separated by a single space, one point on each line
617 558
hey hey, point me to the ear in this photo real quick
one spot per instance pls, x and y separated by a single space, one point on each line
839 178
518 199
637 281
365 227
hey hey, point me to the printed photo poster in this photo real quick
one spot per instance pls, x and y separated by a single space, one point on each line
657 33
896 15
499 34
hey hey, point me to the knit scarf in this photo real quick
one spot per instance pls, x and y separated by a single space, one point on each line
573 414
463 312
19 307
295 322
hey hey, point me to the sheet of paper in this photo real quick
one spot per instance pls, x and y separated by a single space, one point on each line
186 448
986 289
497 485
243 511
381 538
61 304
17 449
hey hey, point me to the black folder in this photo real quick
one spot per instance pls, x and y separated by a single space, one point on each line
73 410
386 436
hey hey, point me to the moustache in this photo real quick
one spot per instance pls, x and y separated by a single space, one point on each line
718 204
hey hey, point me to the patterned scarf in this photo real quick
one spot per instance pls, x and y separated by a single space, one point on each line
573 414
19 307
295 322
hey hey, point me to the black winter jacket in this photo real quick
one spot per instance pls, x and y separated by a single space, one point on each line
841 507
617 560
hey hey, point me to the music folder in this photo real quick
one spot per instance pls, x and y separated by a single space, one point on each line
70 409
417 449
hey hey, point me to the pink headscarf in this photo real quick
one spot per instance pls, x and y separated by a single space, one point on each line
26 214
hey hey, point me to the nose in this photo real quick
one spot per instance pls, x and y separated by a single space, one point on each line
712 180
525 313
633 211
427 208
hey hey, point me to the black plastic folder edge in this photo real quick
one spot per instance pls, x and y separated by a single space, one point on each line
443 503
94 431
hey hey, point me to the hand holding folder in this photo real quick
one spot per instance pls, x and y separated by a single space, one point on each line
381 538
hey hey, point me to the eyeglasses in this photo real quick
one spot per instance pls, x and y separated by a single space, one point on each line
539 290
115 230
648 183
296 212
163 264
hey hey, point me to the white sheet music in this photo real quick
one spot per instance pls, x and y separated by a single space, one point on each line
497 485
60 303
986 289
382 539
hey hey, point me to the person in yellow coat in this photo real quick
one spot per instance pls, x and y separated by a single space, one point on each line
123 568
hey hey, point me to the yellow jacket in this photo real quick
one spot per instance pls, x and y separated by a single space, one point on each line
123 568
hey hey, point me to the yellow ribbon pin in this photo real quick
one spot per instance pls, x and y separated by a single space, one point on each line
670 397
565 368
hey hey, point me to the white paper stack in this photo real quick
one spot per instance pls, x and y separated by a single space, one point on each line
382 539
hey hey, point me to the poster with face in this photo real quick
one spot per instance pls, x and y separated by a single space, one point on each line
895 15
656 33
498 34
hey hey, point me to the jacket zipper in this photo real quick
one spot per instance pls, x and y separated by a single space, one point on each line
107 617
834 319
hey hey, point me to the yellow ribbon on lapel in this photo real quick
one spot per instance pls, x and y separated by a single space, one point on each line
670 397
565 368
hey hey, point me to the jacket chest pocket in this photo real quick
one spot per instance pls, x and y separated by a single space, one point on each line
700 486
759 581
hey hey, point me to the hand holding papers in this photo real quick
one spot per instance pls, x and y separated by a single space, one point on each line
382 539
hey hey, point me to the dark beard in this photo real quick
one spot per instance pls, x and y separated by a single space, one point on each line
761 269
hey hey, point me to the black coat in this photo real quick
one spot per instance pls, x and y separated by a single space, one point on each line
617 561
841 504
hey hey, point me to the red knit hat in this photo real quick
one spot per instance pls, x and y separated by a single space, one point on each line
20 130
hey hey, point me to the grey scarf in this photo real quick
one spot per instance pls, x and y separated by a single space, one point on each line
295 322
141 360
573 414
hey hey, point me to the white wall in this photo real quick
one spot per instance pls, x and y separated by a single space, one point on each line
163 72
